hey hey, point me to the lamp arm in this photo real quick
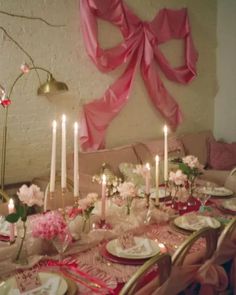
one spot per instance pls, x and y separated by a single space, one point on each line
20 47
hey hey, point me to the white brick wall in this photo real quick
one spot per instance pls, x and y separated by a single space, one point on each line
61 50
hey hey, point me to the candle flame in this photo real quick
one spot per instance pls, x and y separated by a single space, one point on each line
147 166
165 129
157 158
104 179
11 203
63 118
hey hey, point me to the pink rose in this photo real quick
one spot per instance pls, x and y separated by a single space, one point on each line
178 178
192 162
31 195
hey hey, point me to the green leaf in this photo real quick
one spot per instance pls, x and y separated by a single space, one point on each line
20 211
12 218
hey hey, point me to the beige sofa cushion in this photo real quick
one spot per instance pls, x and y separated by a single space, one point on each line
90 163
156 147
196 144
217 176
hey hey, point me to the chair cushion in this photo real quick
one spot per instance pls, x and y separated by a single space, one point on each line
196 144
217 176
222 156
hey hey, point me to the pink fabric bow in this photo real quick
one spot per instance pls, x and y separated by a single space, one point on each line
139 48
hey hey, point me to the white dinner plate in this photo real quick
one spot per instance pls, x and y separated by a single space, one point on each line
149 249
217 191
141 192
195 222
6 287
229 204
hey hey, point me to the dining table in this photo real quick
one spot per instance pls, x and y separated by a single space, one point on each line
91 264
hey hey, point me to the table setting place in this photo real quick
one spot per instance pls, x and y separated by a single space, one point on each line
95 245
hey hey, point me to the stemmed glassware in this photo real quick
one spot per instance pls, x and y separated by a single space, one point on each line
203 196
61 242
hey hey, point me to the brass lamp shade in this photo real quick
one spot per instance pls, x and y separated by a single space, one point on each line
52 86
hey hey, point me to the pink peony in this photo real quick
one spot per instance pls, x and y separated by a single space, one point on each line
49 226
192 162
178 178
127 189
31 195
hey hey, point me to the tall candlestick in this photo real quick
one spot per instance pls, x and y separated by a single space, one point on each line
165 154
103 205
157 159
76 160
11 209
53 157
63 152
147 179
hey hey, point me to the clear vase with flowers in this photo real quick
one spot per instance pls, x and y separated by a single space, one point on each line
127 191
28 196
87 205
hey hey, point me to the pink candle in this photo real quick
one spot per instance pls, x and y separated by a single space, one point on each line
147 179
11 209
103 205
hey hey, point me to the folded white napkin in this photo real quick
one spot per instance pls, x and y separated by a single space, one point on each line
142 248
50 287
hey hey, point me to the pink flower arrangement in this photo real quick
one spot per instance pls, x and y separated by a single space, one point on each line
30 195
178 178
49 226
192 162
127 189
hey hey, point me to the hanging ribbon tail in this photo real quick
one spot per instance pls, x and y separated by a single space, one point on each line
98 114
159 96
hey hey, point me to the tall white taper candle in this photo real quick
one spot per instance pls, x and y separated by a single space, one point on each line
76 159
103 200
63 152
157 159
147 179
53 157
165 153
11 209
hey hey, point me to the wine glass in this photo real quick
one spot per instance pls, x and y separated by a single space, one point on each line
61 242
203 197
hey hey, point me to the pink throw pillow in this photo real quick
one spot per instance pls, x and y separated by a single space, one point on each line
222 156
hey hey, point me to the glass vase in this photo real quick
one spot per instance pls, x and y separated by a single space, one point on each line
21 256
86 224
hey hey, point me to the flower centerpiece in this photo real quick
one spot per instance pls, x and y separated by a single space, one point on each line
191 167
28 196
53 227
128 192
177 186
86 206
112 181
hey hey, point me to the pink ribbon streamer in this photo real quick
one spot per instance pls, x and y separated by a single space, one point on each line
139 49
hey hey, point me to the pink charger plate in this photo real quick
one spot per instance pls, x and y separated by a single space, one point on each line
120 260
